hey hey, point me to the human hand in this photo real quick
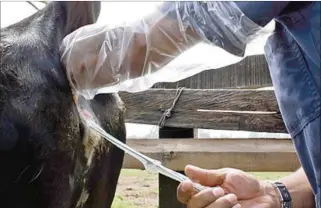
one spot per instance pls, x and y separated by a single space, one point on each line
231 188
95 56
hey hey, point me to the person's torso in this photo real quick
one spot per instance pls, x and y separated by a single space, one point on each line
293 56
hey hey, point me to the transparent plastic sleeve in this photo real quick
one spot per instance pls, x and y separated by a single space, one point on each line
159 47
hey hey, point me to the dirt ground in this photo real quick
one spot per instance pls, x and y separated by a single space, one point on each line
139 189
136 189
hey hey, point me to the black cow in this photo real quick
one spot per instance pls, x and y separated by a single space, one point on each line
48 156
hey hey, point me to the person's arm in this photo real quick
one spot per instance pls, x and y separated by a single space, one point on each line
181 25
95 56
108 56
300 189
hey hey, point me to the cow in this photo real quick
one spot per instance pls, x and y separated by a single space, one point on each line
49 157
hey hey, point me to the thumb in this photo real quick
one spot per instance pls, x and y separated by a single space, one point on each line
205 177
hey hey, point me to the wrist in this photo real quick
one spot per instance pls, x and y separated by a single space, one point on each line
271 194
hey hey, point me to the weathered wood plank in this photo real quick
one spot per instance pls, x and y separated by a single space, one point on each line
146 108
247 154
239 100
210 120
251 72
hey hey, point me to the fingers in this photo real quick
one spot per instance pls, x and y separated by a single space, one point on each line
185 191
205 198
209 198
204 176
227 201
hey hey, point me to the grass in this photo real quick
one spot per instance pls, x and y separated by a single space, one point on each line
134 172
139 189
270 175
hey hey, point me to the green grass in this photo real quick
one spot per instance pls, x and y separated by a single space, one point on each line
134 172
270 175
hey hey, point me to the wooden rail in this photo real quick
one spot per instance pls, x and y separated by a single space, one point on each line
248 110
251 72
266 155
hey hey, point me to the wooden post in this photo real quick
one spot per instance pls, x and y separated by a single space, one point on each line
167 186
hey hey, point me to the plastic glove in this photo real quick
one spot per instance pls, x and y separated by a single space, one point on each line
127 58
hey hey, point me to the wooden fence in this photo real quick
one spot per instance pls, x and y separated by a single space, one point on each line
251 72
222 109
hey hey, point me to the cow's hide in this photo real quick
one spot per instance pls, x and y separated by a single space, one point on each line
48 156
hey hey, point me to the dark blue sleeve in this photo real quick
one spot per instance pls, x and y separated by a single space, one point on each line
261 12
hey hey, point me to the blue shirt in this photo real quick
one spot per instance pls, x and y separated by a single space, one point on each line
293 55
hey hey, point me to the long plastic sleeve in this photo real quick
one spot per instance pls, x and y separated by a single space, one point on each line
135 55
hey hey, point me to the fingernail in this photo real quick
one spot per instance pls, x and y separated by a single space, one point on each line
237 206
218 192
232 198
190 166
